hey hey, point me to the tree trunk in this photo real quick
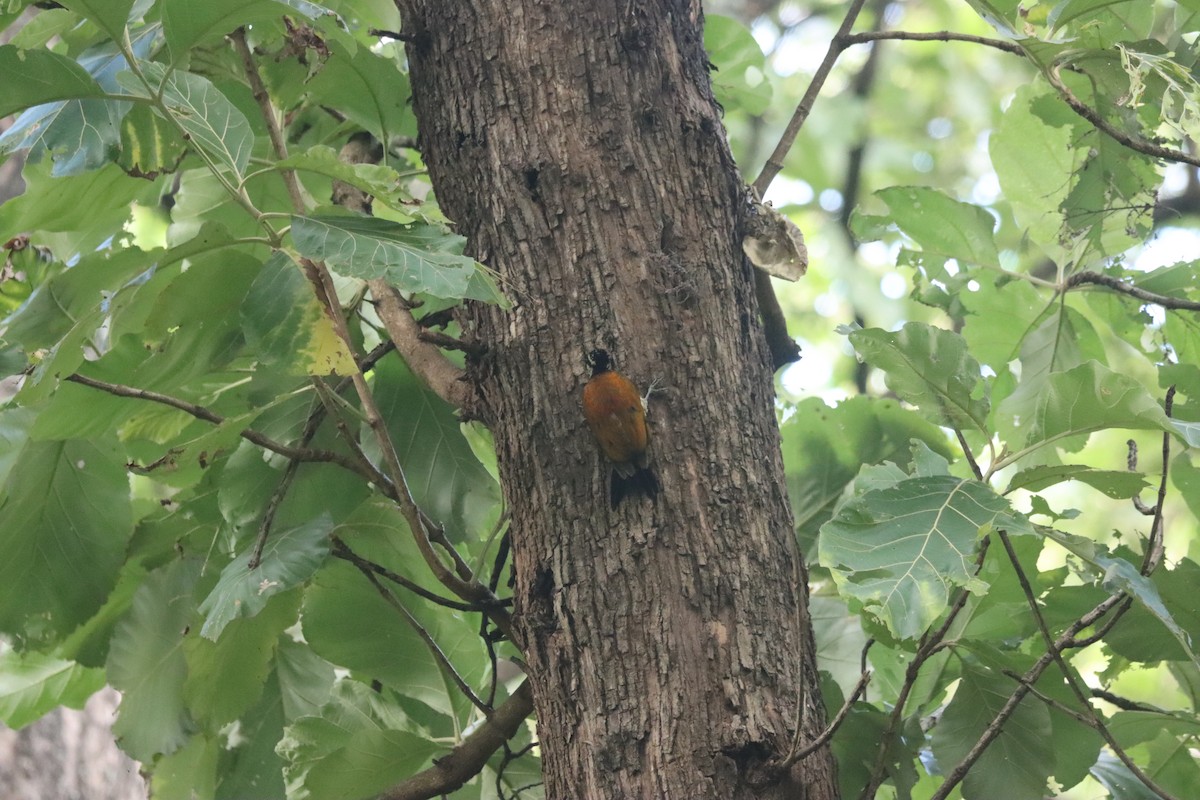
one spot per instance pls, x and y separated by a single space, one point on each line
69 755
578 146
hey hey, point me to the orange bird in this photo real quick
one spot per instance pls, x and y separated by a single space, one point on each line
615 413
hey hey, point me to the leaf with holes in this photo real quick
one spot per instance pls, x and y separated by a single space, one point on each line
931 369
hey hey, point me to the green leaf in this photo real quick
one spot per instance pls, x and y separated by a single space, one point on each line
33 77
214 124
81 134
929 368
305 679
1111 773
1020 759
288 327
109 15
899 550
289 558
64 520
1121 485
33 684
1140 638
226 677
149 144
942 225
1089 398
823 449
388 650
147 663
187 23
1065 339
1034 162
1186 478
352 750
414 258
1118 575
189 773
740 79
14 432
377 180
368 88
445 478
250 767
86 207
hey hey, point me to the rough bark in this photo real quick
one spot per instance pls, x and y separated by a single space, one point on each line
577 145
69 755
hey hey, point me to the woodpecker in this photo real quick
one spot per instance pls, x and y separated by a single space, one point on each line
617 416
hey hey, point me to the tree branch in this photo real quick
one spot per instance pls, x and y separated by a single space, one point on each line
1133 143
831 729
996 726
342 551
263 99
467 759
445 379
937 36
836 46
199 412
423 357
1056 652
1154 547
930 643
1118 285
783 348
431 644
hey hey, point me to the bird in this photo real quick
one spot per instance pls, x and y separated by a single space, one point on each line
617 417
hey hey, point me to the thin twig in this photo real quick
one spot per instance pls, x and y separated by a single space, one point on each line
1131 464
937 36
1154 547
996 726
342 551
447 668
827 734
930 643
1124 703
1133 143
836 46
1118 285
267 109
200 412
329 405
1055 651
966 448
468 758
447 342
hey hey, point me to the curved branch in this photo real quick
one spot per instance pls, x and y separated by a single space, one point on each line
340 550
838 719
200 412
1132 142
424 358
467 759
431 644
1118 285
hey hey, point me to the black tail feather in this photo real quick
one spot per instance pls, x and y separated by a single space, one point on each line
643 482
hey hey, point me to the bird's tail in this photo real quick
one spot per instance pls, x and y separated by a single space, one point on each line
642 481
